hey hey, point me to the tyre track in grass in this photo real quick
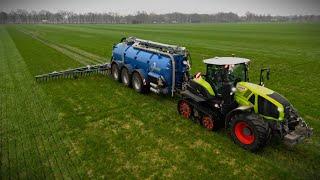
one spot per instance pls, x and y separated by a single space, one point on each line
81 56
74 56
86 54
94 57
31 94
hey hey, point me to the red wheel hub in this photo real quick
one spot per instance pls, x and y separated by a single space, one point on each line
244 133
208 122
185 109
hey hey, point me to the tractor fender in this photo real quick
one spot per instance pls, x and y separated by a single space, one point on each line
143 75
238 110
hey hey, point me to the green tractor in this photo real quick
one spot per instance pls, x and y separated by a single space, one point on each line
251 112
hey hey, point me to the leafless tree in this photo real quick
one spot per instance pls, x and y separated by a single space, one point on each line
141 17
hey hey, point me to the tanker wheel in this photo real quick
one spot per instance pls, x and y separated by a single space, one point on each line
209 123
125 77
184 109
250 131
115 72
137 83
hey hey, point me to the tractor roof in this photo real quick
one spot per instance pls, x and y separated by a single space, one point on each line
225 60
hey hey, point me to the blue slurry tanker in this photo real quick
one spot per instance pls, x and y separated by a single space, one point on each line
148 65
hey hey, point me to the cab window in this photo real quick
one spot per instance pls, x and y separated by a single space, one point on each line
252 99
267 108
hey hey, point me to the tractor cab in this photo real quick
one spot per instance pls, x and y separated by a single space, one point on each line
223 73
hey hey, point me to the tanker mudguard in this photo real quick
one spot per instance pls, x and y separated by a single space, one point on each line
119 63
129 67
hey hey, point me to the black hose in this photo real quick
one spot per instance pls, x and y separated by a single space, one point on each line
122 39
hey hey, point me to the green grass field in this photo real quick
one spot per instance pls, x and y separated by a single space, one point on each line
94 127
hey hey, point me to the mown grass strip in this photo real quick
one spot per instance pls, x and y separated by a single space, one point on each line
15 116
42 119
59 142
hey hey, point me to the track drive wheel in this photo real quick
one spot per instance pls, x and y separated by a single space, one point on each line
209 123
184 109
115 72
250 131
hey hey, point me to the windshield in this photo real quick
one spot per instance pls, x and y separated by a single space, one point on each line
227 73
217 75
236 73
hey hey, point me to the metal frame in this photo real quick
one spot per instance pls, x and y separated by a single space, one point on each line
76 72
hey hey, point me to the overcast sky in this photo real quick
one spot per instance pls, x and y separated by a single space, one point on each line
273 7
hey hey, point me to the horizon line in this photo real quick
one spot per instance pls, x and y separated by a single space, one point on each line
145 12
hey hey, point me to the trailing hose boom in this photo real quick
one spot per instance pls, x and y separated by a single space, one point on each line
75 73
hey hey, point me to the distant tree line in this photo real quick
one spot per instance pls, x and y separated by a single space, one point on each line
65 17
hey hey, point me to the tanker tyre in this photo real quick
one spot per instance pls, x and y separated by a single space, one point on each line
115 72
249 131
125 77
137 83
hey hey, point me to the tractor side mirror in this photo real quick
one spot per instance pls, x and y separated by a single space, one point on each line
267 70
